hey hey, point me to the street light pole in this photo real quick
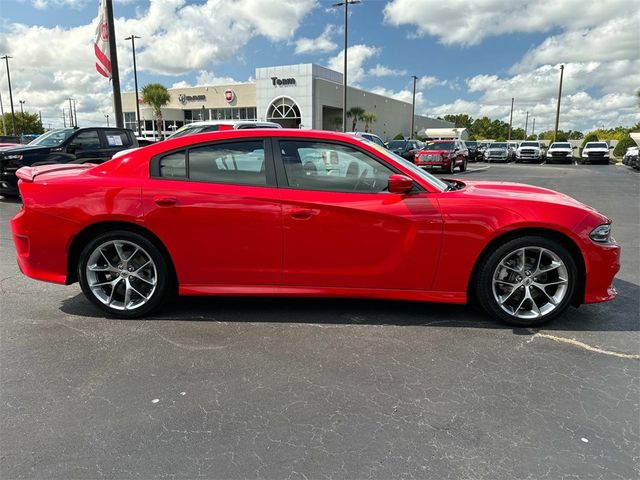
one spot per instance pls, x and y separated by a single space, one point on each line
510 119
75 113
22 102
526 126
346 4
107 115
135 80
555 132
13 115
413 108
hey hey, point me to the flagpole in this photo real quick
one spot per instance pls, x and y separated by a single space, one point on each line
115 74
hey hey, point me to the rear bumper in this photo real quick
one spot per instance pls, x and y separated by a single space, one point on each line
41 243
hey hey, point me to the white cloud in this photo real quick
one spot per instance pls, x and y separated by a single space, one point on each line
357 55
468 23
429 82
52 64
321 44
402 95
383 71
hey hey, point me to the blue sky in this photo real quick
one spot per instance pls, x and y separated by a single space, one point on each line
470 57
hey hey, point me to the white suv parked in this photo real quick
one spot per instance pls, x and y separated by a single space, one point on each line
560 152
595 152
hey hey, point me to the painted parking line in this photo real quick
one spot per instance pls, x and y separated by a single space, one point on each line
472 170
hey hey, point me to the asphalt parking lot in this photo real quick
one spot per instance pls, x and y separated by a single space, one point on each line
264 388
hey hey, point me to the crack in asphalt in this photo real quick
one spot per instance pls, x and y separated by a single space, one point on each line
582 345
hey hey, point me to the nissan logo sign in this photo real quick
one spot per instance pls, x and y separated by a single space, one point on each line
283 82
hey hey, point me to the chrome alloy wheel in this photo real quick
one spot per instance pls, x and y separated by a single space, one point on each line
530 282
121 275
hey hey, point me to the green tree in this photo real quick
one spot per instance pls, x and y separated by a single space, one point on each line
25 123
157 96
355 113
622 146
590 137
399 137
368 118
461 120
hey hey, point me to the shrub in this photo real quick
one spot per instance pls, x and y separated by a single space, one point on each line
399 137
622 146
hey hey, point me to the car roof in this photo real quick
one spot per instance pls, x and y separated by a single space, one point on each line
230 122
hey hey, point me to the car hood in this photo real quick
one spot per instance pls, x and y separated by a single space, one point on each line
596 149
560 149
518 191
25 149
436 152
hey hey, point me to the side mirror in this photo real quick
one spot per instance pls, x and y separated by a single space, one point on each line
574 147
400 184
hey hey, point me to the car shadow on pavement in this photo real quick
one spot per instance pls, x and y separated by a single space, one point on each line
619 315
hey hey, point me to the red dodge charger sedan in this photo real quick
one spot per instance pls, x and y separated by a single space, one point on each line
306 213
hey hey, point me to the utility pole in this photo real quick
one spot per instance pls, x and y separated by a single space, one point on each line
132 37
64 118
22 102
13 115
4 125
346 4
107 115
526 125
71 122
510 119
75 113
533 129
413 108
555 131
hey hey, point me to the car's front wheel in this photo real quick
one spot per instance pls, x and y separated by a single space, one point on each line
527 281
124 274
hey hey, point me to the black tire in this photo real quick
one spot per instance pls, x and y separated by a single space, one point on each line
483 282
463 167
452 166
157 293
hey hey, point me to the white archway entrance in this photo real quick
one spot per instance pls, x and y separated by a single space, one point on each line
285 111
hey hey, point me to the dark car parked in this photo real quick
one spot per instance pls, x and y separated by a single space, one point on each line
67 145
472 146
405 148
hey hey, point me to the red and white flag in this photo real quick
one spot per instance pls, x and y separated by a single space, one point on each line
101 44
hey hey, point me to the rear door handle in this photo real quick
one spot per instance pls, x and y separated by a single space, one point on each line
303 213
163 201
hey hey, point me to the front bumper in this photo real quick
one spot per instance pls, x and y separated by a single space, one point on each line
602 263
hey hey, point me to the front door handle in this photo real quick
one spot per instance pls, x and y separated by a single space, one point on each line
163 201
303 213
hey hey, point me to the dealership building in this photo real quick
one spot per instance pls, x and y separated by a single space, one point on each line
296 96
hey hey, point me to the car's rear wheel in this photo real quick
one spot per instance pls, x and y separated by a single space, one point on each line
527 281
124 274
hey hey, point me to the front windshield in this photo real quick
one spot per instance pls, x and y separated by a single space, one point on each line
53 138
435 182
529 144
561 145
439 146
498 145
397 144
596 145
193 129
471 144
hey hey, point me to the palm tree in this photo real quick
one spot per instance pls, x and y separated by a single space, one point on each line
368 118
356 114
157 96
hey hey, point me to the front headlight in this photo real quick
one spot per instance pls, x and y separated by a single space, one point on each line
601 234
